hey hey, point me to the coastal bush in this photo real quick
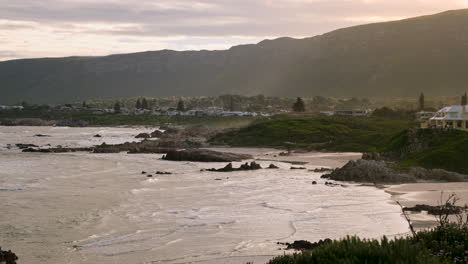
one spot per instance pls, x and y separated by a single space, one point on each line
7 257
356 250
316 133
432 148
446 243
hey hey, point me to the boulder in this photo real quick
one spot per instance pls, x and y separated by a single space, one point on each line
156 134
244 167
373 171
204 155
41 135
298 168
369 171
319 170
143 135
25 146
273 166
314 182
97 136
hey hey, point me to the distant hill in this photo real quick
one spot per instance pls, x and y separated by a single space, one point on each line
402 58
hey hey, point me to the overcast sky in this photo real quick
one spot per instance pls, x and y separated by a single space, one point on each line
51 28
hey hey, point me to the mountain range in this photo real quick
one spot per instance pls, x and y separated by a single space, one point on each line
393 59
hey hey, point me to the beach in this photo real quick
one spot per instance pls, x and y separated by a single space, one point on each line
83 207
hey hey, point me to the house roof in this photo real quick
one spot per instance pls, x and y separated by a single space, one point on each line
452 113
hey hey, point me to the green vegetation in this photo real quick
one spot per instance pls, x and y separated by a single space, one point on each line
354 250
299 106
432 148
446 243
91 119
316 133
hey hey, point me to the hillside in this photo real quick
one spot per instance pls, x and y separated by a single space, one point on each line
432 149
401 58
340 134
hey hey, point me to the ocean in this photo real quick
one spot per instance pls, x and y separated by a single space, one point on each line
99 208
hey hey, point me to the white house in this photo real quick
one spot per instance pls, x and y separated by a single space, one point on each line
455 116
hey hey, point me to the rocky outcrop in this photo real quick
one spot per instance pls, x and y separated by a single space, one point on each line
25 146
204 155
143 135
319 170
157 134
305 245
297 168
373 171
244 167
273 166
56 150
437 210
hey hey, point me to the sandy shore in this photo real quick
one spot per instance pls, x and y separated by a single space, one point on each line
427 193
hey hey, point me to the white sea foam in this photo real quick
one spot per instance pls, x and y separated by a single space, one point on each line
115 214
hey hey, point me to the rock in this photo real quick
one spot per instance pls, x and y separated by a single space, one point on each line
156 134
149 176
244 167
56 150
171 130
436 210
203 155
97 136
298 168
163 173
143 172
273 166
371 156
305 245
284 154
436 174
372 171
41 135
319 170
143 135
25 146
314 182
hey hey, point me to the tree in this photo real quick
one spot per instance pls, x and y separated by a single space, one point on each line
421 102
138 104
180 106
84 105
117 107
464 100
144 104
299 105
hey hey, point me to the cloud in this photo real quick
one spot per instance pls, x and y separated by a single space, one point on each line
95 27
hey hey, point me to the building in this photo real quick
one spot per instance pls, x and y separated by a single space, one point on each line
352 112
424 116
455 116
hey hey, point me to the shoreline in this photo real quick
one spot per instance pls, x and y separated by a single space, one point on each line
412 194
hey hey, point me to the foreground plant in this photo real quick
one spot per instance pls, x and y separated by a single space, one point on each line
446 243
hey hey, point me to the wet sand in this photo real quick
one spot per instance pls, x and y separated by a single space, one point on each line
99 208
410 195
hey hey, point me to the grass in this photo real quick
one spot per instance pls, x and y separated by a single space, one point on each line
356 250
444 149
316 133
120 120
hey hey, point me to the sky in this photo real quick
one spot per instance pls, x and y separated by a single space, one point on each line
56 28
